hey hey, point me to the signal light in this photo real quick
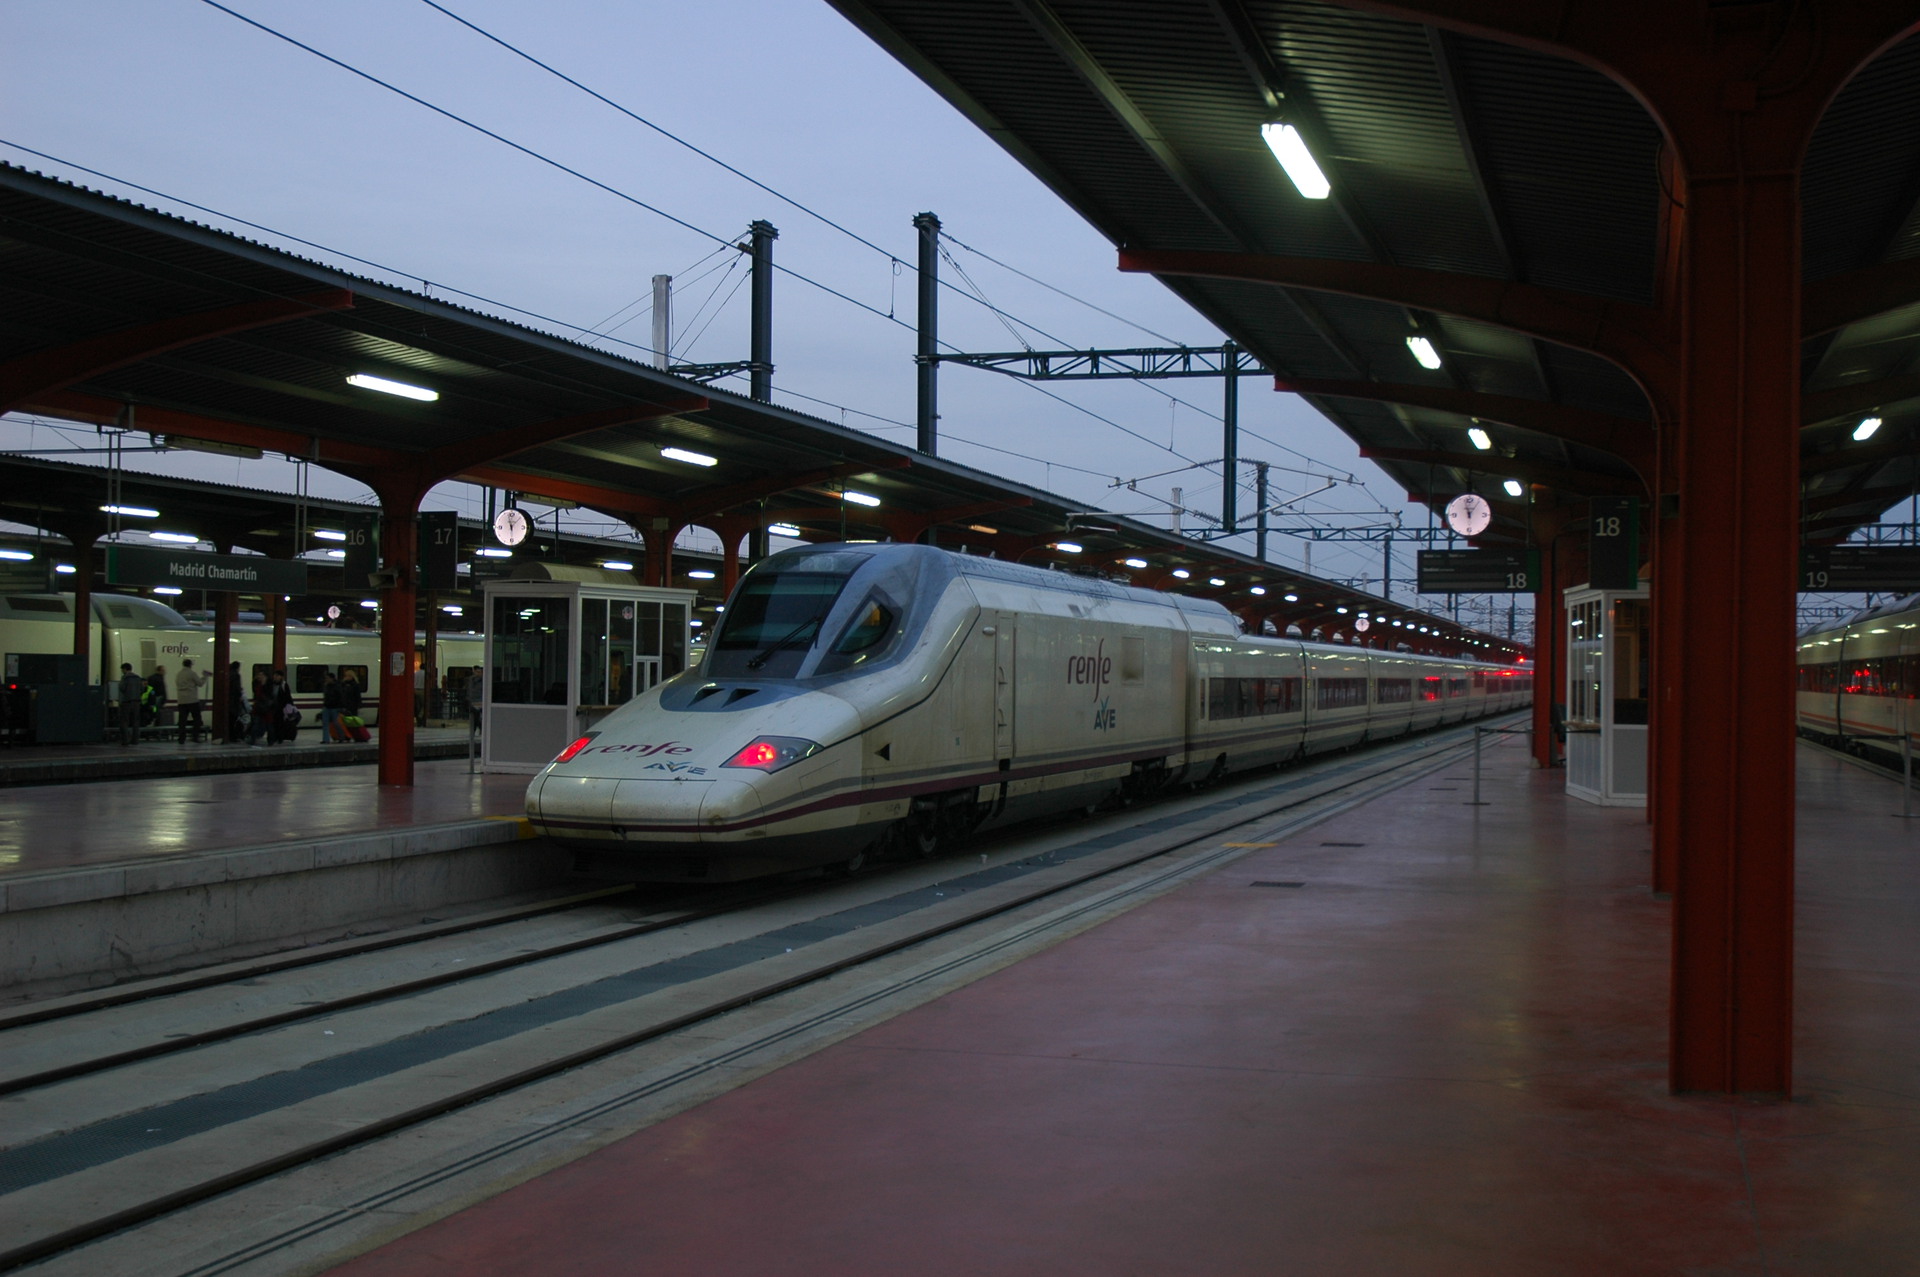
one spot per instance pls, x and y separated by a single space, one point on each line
770 753
574 748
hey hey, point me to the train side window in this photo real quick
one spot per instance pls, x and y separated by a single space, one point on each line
359 673
262 670
1133 658
309 679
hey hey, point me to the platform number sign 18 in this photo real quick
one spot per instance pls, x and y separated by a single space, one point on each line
439 550
1613 543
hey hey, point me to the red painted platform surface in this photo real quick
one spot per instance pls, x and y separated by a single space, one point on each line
1445 1054
51 827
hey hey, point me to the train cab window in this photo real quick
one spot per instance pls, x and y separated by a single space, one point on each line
865 636
775 617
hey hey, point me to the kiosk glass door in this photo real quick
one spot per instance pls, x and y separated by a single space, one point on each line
530 705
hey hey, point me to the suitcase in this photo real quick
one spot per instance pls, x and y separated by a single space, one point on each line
360 733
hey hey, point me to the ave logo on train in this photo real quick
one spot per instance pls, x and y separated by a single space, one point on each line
1095 671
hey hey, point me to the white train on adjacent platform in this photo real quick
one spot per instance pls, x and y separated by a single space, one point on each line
859 693
143 633
1857 681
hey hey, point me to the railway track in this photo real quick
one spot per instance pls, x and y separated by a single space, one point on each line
146 1101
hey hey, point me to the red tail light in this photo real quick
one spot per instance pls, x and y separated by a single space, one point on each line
574 748
770 753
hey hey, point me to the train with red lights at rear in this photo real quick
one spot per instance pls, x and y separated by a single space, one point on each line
1857 681
860 698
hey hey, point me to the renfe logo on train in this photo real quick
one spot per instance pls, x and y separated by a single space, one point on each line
643 751
1096 669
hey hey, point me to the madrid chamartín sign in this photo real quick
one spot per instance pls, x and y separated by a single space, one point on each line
189 570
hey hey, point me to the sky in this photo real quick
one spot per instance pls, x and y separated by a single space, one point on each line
185 99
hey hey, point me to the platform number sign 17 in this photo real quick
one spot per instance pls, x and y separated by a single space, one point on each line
439 550
1613 543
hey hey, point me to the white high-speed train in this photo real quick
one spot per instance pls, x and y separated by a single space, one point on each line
143 633
860 693
1858 681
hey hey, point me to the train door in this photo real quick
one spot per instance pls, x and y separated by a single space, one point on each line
1003 686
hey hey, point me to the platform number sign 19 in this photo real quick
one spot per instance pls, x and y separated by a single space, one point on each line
1613 543
439 550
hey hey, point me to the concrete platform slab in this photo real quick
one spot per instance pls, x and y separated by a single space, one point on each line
1443 1052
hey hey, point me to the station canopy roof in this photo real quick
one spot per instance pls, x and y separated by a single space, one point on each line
1444 153
118 314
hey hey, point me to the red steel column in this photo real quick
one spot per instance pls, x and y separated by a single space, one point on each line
1549 638
398 510
1738 454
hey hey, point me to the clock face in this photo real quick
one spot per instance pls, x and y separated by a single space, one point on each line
1469 514
510 526
1363 625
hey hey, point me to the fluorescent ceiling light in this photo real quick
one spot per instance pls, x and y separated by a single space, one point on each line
983 529
860 498
1214 580
1515 488
387 386
1135 563
17 556
369 602
1424 353
135 511
691 458
328 534
65 569
616 565
783 529
702 575
1181 574
1291 150
493 552
336 554
1258 589
168 589
1342 611
1479 439
1067 547
178 538
453 609
1866 428
696 622
1291 598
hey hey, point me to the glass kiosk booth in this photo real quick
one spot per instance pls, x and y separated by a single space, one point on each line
566 646
1609 663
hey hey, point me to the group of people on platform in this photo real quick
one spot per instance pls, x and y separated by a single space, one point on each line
267 715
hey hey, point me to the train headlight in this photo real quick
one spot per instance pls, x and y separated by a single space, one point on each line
770 753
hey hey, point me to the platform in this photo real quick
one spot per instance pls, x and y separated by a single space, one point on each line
126 877
1422 1038
161 753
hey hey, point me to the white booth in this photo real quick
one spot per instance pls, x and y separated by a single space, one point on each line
1609 677
567 646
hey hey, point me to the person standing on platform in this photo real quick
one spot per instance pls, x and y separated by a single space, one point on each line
236 725
187 686
330 711
476 694
131 687
350 694
282 718
155 699
259 711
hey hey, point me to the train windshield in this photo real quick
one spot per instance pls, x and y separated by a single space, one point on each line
775 617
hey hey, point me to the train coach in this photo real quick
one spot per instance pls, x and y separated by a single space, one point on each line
144 632
1857 681
860 695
